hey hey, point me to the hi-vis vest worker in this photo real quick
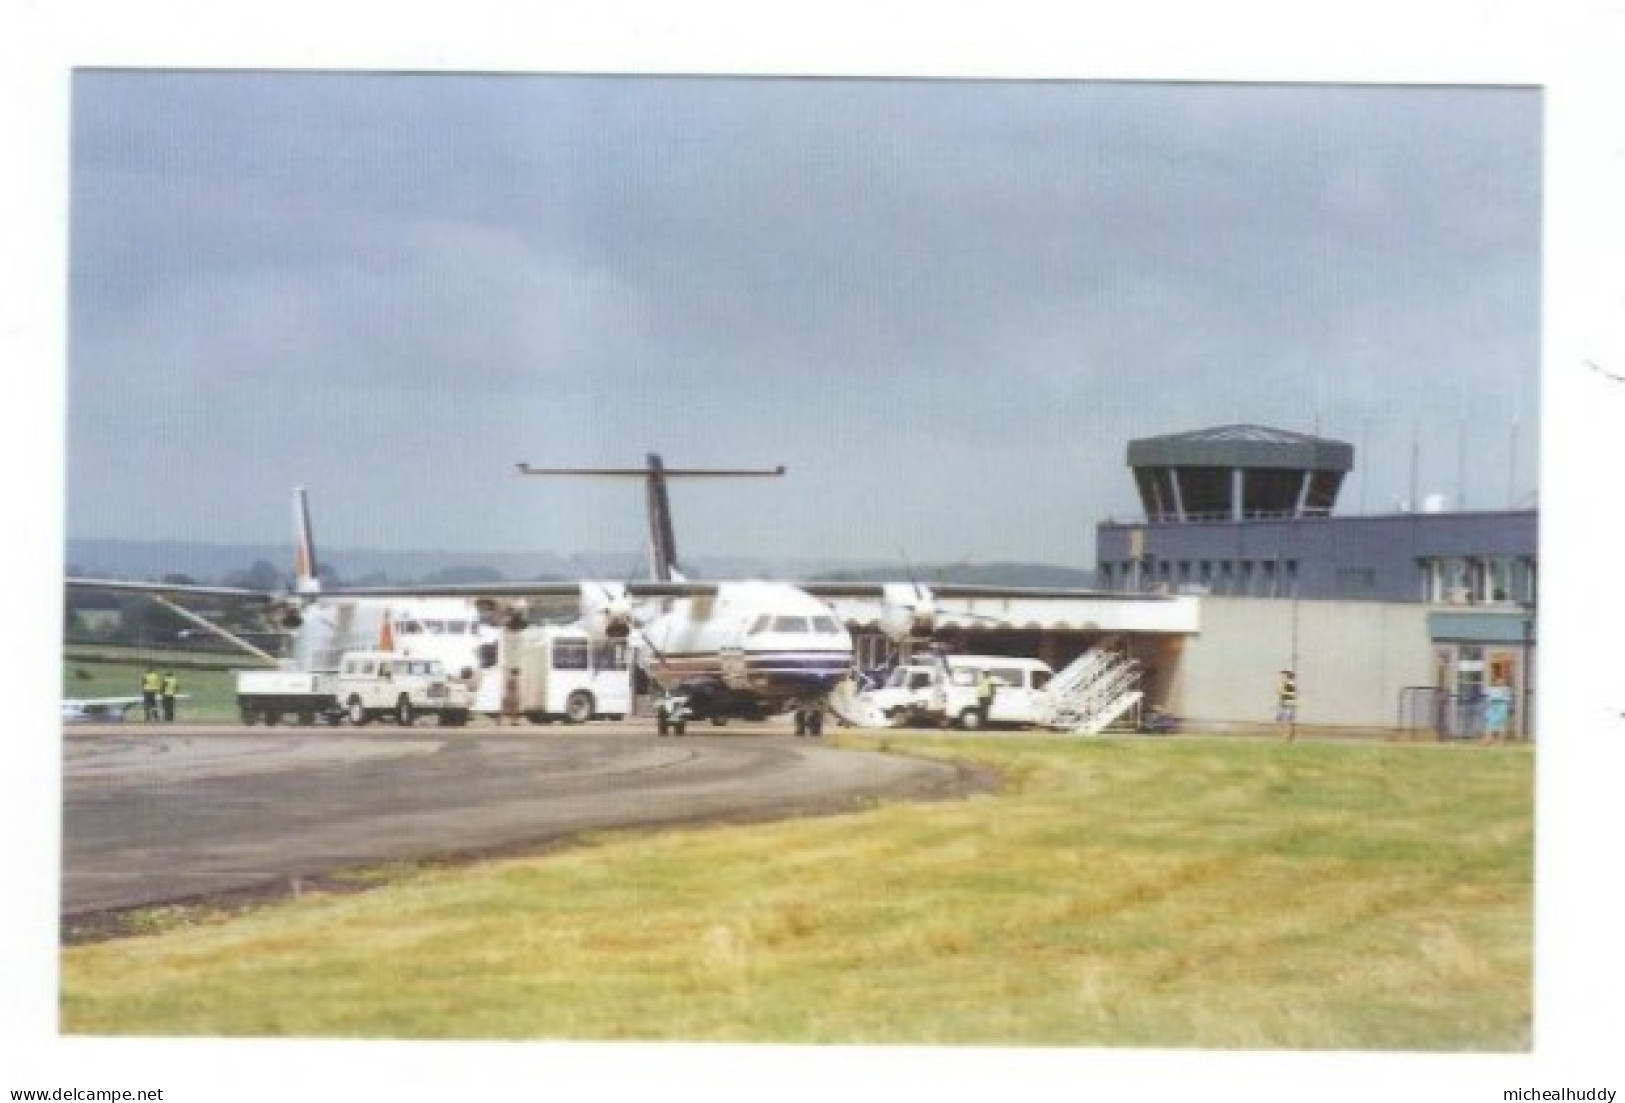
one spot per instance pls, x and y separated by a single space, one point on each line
151 682
1287 696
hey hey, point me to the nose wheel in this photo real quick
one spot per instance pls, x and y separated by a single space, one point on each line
809 722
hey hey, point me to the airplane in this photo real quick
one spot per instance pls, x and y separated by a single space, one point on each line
722 650
719 650
324 626
87 710
740 649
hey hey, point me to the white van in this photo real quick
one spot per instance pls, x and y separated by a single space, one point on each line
942 690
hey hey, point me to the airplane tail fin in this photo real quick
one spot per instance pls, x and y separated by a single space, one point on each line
305 579
662 537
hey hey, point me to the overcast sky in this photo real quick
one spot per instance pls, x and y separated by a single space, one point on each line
947 306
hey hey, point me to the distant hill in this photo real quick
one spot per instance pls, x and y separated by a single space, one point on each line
212 563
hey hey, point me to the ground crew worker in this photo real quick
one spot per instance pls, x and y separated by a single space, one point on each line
1286 704
170 685
985 688
151 684
510 697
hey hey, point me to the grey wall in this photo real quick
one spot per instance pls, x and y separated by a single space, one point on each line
1354 657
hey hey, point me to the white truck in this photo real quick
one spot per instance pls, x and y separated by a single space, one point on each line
367 686
271 696
937 691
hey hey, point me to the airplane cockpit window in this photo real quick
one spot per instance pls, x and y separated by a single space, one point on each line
796 625
1041 678
408 627
919 680
898 679
761 625
825 626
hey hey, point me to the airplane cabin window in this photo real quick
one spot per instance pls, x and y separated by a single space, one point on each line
790 624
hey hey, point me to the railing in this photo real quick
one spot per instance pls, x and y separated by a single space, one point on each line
1093 691
1455 715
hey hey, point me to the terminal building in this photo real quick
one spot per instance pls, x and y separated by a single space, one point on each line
1390 620
1248 511
1242 567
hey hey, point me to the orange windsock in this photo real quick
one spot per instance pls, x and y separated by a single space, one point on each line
386 634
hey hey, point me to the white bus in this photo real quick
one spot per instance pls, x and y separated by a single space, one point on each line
561 675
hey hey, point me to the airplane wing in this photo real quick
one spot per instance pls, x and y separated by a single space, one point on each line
519 590
959 591
168 589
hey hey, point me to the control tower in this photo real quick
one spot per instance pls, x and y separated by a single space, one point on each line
1238 472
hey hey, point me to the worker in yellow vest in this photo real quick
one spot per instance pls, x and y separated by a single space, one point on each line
151 685
1286 704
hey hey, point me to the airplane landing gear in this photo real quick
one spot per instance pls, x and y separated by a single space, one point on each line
810 722
671 717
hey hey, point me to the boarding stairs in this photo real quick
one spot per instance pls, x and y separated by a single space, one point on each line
1094 691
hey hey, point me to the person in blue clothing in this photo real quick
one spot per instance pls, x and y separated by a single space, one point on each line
1497 712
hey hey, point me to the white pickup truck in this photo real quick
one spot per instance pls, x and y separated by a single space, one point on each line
368 685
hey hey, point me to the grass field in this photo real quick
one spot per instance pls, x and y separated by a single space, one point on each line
205 678
1186 893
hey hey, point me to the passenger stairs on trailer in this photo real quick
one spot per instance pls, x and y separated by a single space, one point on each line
1094 691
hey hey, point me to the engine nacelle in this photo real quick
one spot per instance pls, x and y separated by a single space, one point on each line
907 612
606 611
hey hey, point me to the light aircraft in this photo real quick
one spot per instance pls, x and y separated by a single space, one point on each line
90 710
86 710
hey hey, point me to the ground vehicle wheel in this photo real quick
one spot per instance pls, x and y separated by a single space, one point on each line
356 713
970 719
578 707
679 727
719 721
451 718
272 719
403 712
306 718
248 715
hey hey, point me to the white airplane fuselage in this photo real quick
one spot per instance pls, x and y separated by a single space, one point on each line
447 629
752 648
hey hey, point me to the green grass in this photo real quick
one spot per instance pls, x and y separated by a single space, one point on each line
116 672
1206 893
